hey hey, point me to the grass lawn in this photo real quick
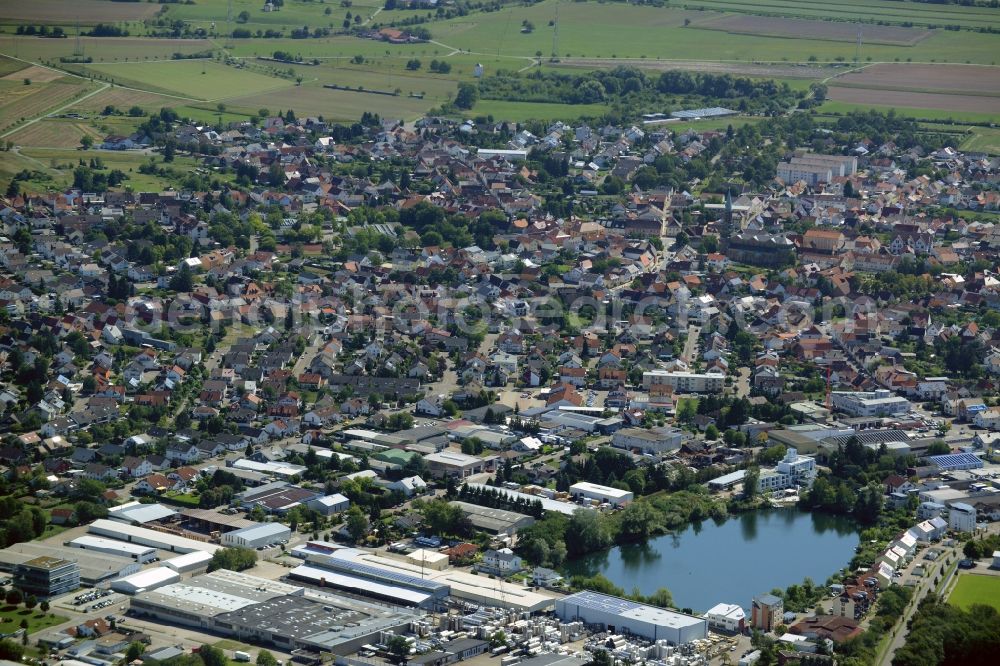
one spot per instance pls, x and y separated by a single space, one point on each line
11 616
183 499
972 589
982 139
200 79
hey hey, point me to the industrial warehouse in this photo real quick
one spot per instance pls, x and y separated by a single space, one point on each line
629 617
410 584
269 612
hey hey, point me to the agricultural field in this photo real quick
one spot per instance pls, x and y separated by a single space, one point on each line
988 106
793 74
881 103
815 29
56 133
890 11
122 99
20 102
958 79
972 589
294 14
587 30
101 49
205 80
340 105
68 12
9 66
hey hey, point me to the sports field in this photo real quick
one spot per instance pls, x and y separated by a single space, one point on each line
199 79
972 589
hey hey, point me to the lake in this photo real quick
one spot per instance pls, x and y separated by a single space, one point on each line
731 561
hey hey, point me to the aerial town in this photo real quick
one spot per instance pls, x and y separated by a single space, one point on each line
338 417
503 393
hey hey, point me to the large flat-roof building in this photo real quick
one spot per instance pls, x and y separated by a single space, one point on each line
453 463
262 534
629 617
141 554
268 612
46 576
683 382
654 440
814 168
494 521
880 402
174 543
147 580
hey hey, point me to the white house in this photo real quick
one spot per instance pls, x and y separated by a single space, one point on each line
502 562
330 504
409 486
728 617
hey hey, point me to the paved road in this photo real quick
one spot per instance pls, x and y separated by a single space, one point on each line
690 354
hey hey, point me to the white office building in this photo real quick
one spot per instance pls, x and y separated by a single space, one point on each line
880 402
727 617
793 470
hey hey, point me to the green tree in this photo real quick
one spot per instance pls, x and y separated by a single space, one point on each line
357 523
265 658
87 141
399 649
212 656
467 96
750 481
135 650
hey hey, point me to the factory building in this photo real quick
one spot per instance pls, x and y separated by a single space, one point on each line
386 578
136 513
257 610
597 493
622 616
494 521
189 562
144 581
113 529
141 554
262 534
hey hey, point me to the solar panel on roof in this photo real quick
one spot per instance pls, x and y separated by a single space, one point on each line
956 461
